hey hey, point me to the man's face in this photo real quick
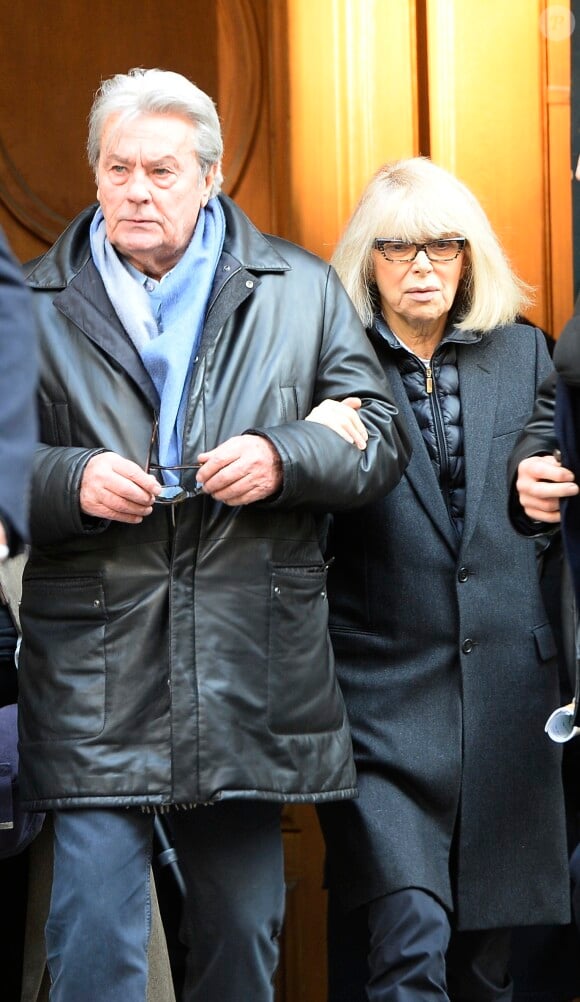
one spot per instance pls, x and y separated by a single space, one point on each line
150 188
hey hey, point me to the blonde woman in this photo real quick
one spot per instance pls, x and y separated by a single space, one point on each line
443 648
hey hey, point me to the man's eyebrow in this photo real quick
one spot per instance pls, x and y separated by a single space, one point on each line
163 158
111 155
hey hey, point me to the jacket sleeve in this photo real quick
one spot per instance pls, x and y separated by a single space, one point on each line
62 518
321 471
18 374
567 353
536 439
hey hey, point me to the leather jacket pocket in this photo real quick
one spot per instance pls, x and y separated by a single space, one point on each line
54 421
303 695
289 399
62 660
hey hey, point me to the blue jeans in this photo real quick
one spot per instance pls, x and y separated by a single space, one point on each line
99 922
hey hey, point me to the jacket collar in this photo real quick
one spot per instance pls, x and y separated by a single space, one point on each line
57 268
253 249
453 335
420 473
85 303
244 243
68 269
478 377
479 380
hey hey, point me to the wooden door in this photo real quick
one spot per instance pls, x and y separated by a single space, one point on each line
53 55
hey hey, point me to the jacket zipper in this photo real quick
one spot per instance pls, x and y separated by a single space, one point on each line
438 424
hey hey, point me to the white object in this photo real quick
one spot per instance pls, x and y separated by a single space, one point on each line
559 725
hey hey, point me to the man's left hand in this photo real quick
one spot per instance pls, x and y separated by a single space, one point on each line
241 470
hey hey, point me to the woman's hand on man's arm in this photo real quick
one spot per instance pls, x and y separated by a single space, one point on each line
342 417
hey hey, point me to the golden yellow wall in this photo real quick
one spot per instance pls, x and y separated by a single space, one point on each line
352 103
314 95
483 88
500 107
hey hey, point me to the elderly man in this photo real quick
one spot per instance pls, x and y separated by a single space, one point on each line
175 653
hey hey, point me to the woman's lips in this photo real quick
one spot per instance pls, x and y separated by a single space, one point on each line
422 295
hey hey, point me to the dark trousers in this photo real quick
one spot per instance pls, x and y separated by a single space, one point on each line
402 948
14 870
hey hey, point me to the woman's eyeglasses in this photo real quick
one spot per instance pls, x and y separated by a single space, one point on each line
170 494
445 249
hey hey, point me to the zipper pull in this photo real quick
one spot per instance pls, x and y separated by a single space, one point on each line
429 378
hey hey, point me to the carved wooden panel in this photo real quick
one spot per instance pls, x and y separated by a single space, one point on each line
54 55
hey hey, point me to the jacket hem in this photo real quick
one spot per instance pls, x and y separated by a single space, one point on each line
162 806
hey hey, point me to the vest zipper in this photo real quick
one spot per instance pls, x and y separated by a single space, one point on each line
439 427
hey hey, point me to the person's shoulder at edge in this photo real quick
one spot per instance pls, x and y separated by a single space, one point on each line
58 265
567 352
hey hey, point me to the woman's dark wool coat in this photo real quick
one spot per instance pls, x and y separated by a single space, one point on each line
446 661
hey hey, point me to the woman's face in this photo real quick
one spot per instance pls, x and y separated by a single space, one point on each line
417 295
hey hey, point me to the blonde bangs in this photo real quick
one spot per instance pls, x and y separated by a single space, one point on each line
418 216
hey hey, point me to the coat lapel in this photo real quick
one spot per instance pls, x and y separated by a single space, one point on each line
420 472
86 304
478 386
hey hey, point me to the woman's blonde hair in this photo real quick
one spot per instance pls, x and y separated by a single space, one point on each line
416 200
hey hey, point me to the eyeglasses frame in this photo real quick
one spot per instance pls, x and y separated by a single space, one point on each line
149 466
379 245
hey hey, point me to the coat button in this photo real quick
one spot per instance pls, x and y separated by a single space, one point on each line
467 646
462 574
249 285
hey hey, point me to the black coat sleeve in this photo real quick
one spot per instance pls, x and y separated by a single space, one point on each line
537 439
567 353
322 471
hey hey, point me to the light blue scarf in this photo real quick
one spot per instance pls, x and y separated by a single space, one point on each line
168 342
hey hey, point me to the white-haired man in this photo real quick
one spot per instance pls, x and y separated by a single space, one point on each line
175 650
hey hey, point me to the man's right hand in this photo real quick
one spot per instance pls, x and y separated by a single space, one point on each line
118 489
540 484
